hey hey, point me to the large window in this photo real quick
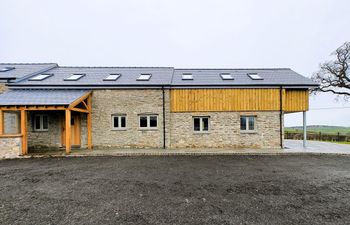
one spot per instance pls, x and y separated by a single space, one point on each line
248 123
201 124
148 121
41 122
118 122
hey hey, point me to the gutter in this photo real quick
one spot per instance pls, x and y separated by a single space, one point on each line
281 116
163 93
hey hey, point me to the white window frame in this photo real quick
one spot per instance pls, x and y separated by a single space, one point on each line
187 76
119 122
75 77
144 77
148 121
201 131
247 130
41 116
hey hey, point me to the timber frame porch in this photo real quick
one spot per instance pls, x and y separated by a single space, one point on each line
83 104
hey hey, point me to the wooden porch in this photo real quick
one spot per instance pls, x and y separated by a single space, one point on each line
81 105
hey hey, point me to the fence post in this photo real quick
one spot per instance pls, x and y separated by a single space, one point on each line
338 137
320 137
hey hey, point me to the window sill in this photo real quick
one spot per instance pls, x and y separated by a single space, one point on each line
201 132
40 131
148 129
119 129
249 132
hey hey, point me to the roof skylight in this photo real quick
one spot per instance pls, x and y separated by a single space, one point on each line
112 77
75 77
144 77
255 76
226 76
187 76
41 77
5 69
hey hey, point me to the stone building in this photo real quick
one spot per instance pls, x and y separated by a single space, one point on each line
49 106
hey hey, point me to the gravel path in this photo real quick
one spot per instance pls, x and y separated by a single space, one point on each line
285 189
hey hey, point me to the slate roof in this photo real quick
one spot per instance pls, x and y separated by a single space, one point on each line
161 76
24 69
94 76
211 77
30 97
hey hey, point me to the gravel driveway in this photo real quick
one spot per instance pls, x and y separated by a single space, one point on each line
285 189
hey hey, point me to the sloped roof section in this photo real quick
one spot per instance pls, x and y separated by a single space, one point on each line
30 97
21 70
96 76
270 77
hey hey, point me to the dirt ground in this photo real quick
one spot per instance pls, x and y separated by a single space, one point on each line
299 189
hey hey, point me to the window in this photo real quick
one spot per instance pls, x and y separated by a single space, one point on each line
118 122
41 122
255 76
75 77
247 123
144 77
201 124
226 76
41 77
148 121
187 76
5 69
112 77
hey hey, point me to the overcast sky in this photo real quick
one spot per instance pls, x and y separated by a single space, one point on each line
233 34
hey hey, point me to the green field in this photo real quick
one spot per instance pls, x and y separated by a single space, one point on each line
322 129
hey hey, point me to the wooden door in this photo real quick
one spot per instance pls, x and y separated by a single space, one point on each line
75 130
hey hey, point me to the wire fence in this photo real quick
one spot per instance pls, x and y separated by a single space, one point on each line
317 136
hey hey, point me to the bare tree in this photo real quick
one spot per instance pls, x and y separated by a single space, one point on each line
334 76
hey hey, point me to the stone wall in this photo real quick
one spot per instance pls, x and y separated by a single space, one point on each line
52 138
10 147
45 139
3 87
224 131
132 103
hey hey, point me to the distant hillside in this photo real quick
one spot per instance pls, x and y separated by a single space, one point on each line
321 128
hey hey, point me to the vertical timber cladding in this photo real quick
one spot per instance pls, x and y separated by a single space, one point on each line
238 99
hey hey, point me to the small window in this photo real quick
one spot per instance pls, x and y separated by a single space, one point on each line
247 123
118 122
5 69
148 121
41 77
187 76
201 124
144 77
226 76
41 122
255 76
74 77
112 77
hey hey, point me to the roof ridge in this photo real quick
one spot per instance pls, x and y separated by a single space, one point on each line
232 68
27 63
126 67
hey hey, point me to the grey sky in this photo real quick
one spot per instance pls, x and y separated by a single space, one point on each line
298 34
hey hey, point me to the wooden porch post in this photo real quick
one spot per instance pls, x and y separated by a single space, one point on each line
68 130
24 132
89 125
1 122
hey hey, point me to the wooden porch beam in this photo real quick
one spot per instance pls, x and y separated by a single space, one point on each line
80 110
86 107
33 108
89 123
79 100
68 130
24 132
